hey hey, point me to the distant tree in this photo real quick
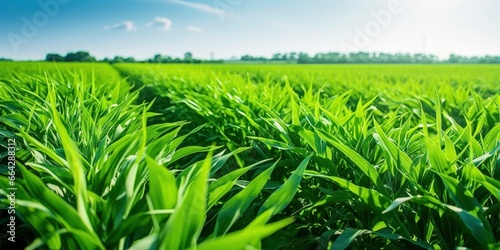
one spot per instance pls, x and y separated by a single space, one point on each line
490 59
166 59
157 58
118 59
246 58
359 57
80 56
454 59
52 57
188 57
303 58
277 56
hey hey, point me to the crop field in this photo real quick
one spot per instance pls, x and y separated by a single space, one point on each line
171 156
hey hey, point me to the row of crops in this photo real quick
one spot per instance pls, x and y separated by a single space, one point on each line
141 156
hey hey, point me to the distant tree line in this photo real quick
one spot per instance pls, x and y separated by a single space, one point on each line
293 57
188 58
80 56
364 57
83 56
461 59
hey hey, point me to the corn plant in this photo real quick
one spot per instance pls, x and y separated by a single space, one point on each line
92 174
224 156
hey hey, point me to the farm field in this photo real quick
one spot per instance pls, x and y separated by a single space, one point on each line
155 156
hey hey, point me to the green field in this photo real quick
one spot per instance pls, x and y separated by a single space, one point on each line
146 156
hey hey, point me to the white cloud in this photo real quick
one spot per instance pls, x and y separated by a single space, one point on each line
200 6
193 28
125 25
161 22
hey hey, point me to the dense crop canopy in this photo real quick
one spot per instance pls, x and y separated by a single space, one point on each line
242 156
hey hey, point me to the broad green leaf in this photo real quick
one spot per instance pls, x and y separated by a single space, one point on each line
346 238
185 225
236 206
370 197
280 198
162 186
239 239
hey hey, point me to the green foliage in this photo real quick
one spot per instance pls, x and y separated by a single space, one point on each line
89 172
223 156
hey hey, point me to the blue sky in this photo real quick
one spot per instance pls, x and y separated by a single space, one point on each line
29 29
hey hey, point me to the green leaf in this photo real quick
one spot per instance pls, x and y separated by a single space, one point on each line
371 197
223 185
162 186
234 207
185 225
280 198
240 239
346 238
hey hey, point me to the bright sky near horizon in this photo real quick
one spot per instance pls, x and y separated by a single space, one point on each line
226 28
